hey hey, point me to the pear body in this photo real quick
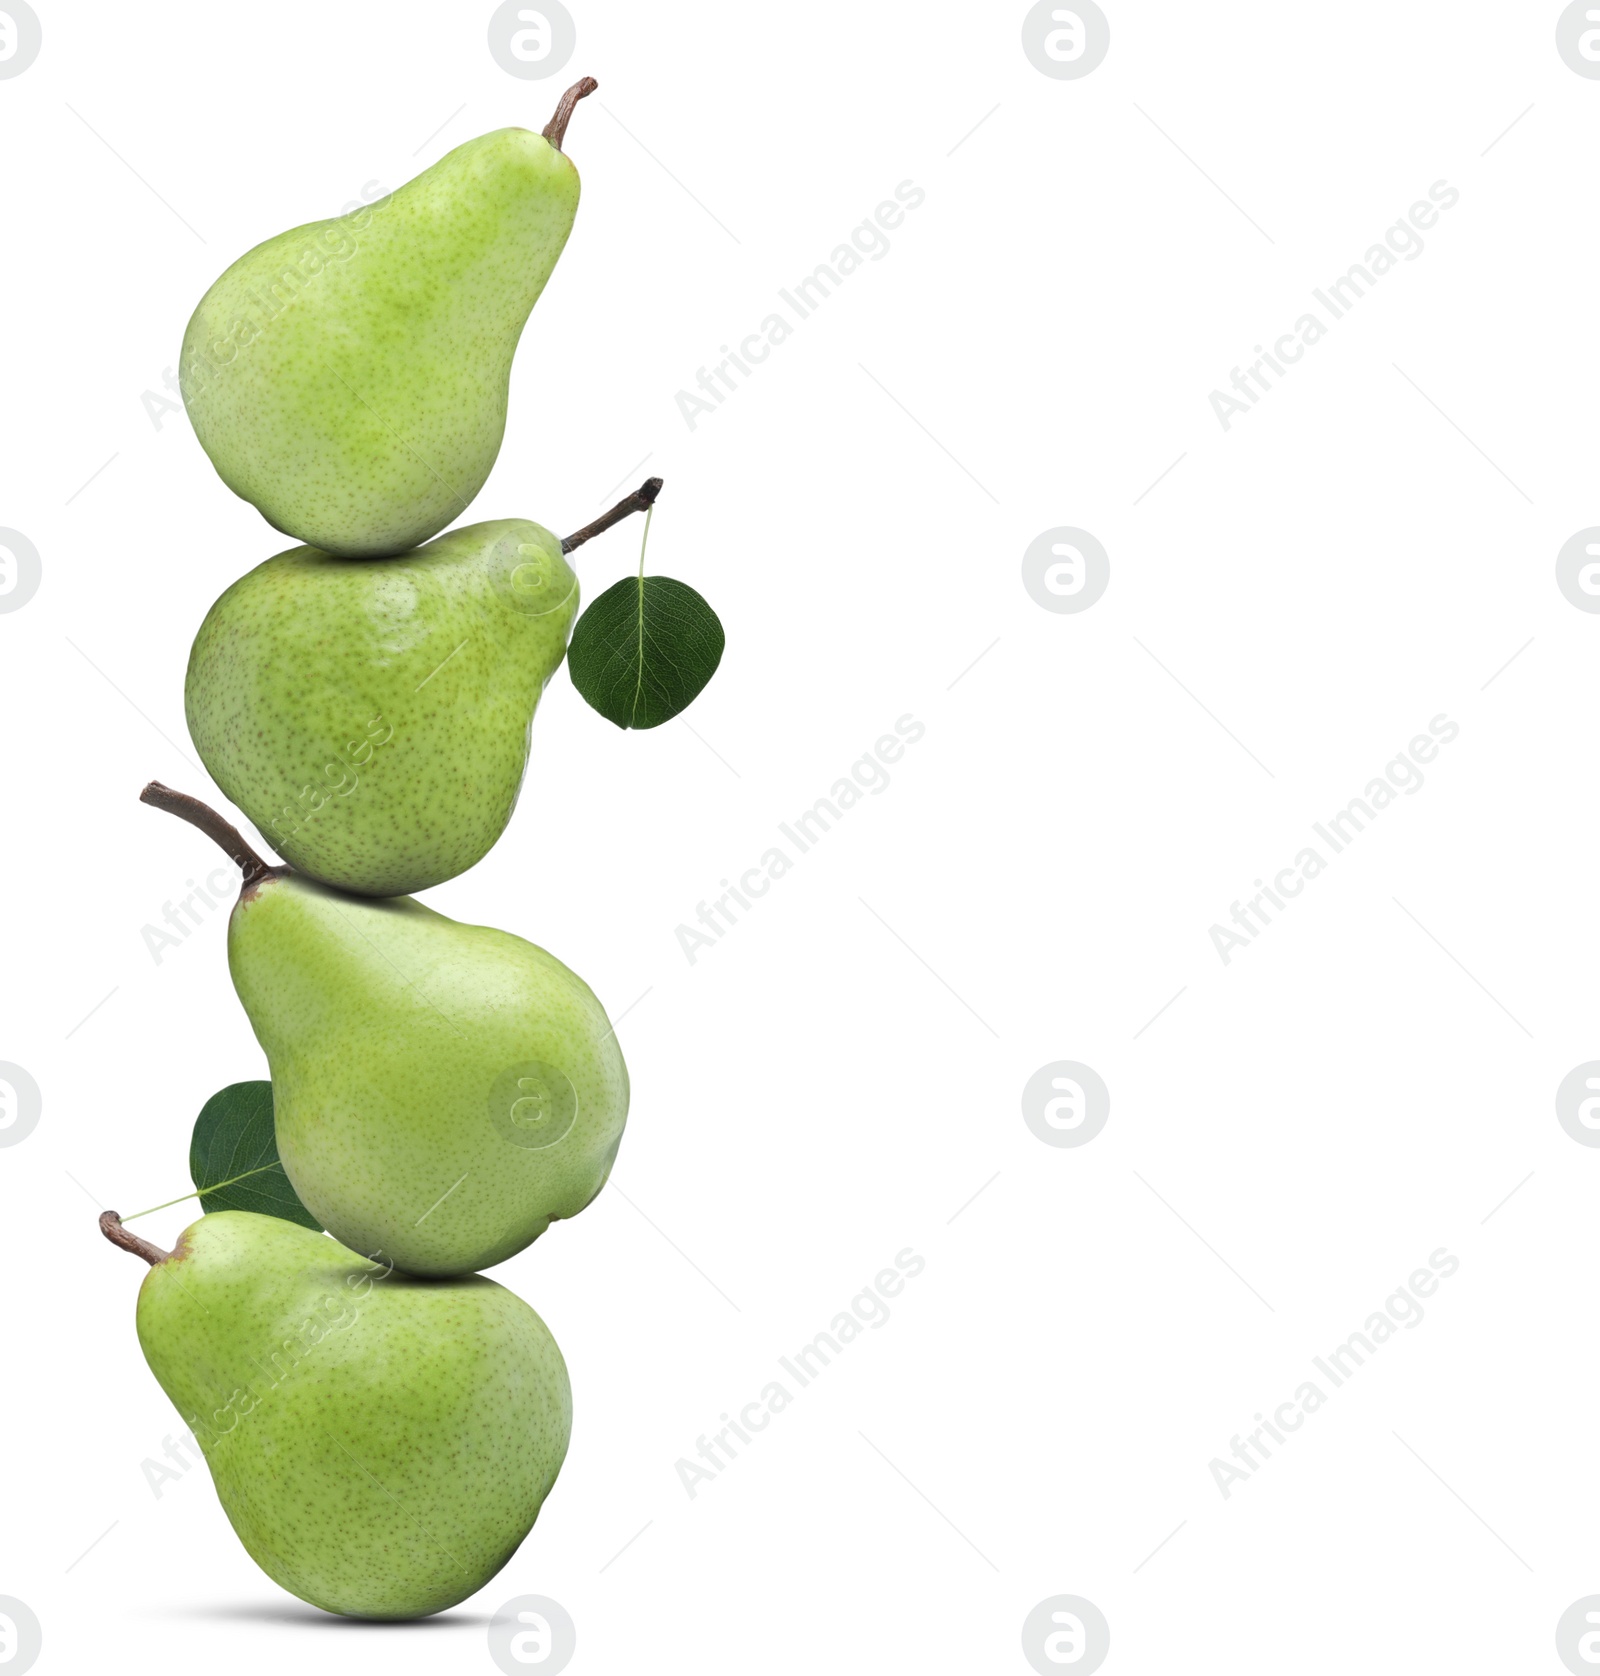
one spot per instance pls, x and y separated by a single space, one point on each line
380 1444
349 377
441 1092
372 716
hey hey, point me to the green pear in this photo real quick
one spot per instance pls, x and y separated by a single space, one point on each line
381 1445
372 716
441 1092
349 377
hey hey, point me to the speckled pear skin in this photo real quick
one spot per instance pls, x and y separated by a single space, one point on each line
372 716
380 1444
349 377
442 1092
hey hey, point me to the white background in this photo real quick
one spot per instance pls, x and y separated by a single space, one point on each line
1366 1083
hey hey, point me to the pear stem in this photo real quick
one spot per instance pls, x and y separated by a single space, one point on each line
555 130
641 498
196 813
111 1227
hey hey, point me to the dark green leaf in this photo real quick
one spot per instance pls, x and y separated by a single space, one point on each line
233 1158
644 649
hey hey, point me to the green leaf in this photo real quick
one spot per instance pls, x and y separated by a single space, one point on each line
233 1158
644 649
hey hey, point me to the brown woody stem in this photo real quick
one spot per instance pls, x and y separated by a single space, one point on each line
555 130
111 1227
641 498
196 813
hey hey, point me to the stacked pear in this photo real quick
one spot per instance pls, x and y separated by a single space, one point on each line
441 1092
373 716
383 1424
380 1444
349 378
